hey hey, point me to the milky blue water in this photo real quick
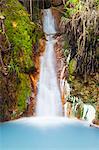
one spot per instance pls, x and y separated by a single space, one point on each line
44 134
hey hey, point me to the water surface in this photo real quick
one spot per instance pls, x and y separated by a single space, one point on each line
48 134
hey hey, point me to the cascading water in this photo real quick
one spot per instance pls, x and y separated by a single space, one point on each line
48 98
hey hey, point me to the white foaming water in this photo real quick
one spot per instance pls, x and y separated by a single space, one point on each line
48 22
48 98
89 113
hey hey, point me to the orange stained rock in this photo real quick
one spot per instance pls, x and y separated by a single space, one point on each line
95 122
32 78
37 62
35 76
42 43
33 83
36 58
63 99
57 16
69 109
59 66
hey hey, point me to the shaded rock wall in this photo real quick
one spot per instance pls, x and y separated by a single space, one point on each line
41 4
56 3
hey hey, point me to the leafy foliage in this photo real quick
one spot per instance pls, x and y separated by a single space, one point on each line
71 7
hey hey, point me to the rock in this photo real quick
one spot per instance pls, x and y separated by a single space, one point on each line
31 107
57 13
89 113
42 44
39 3
78 110
44 4
56 3
59 57
95 122
68 109
65 90
62 73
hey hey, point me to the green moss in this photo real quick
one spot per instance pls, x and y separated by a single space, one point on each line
72 66
66 48
23 92
87 91
20 33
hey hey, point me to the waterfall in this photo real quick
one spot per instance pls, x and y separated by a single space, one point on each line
48 97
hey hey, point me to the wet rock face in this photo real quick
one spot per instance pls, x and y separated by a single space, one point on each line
56 3
44 4
59 57
57 18
57 13
39 3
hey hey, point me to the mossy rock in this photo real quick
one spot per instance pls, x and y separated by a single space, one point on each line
19 31
22 34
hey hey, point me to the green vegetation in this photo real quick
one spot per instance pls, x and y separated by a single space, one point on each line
71 7
19 31
18 35
72 66
24 92
81 27
80 23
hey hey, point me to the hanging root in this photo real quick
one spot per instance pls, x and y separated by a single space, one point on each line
82 31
